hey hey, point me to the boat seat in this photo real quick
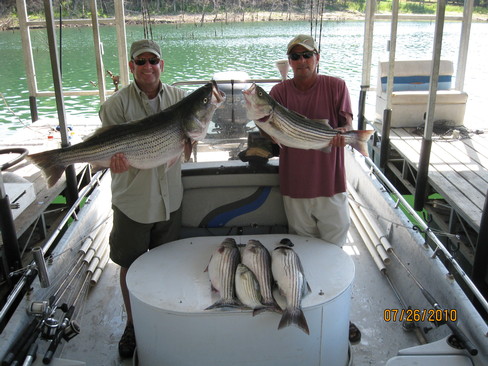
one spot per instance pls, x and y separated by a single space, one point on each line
239 201
411 94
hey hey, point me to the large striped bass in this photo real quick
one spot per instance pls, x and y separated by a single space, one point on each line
291 129
222 271
289 276
257 258
146 143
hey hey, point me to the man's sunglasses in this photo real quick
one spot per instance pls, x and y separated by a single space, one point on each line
142 61
296 55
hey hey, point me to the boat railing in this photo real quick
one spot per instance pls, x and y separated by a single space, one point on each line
29 272
229 81
424 228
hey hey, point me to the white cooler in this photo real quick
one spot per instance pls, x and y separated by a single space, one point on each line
169 290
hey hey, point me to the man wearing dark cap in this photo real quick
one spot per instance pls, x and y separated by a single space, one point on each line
146 203
313 182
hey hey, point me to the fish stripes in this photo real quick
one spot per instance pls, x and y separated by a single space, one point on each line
222 270
257 258
291 129
146 143
289 276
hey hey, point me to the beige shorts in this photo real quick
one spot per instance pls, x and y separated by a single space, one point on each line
322 217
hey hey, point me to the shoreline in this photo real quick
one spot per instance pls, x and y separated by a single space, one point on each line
12 23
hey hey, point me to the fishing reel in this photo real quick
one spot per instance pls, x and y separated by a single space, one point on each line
72 330
49 328
68 328
50 325
40 309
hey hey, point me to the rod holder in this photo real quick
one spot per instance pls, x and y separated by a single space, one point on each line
41 266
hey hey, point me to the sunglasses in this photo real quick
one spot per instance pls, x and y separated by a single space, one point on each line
296 55
142 61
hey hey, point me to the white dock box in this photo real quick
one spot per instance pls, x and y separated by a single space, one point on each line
411 94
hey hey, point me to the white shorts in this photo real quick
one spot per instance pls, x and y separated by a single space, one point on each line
322 217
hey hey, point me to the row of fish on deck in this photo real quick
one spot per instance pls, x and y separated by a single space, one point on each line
245 279
160 138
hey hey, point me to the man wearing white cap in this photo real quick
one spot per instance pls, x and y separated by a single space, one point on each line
146 203
312 182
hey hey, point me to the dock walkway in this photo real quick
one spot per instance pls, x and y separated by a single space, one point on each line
457 171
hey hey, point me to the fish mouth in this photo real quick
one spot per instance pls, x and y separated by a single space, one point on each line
249 94
264 119
249 91
218 96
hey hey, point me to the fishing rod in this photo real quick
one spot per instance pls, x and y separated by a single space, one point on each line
69 327
384 243
29 275
458 333
428 232
90 244
60 333
44 323
20 341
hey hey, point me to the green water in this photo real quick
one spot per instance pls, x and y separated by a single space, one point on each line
198 52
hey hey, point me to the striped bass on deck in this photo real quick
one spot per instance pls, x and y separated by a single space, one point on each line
291 129
222 271
289 276
257 258
247 288
146 143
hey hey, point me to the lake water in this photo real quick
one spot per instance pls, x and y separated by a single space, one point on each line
198 52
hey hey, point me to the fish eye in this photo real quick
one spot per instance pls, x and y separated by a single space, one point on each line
260 94
205 100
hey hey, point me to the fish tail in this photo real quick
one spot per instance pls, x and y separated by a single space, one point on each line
225 303
267 307
49 163
272 306
294 316
360 143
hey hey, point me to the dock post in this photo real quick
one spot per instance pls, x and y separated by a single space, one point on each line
385 138
33 108
362 102
422 175
71 180
424 162
367 55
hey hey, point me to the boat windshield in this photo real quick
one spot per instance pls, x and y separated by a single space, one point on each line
229 130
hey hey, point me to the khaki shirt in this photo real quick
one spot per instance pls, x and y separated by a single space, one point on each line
144 195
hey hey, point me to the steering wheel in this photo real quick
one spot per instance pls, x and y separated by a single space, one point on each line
16 150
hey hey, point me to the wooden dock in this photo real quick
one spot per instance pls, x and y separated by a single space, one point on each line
457 171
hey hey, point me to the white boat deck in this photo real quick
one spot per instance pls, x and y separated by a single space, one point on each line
104 320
